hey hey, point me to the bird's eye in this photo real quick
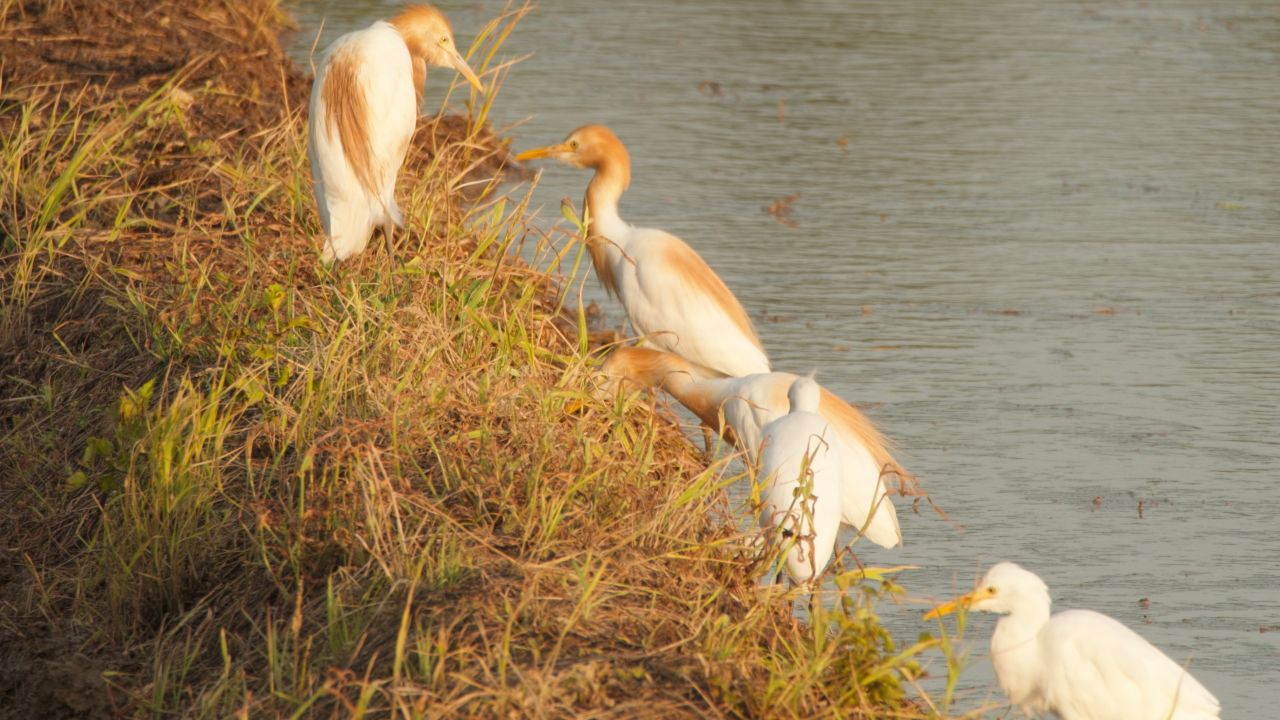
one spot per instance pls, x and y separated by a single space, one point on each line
444 41
573 144
991 589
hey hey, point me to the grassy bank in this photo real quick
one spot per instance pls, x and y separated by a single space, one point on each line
235 483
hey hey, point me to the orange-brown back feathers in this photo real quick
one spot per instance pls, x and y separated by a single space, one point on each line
347 114
850 419
694 271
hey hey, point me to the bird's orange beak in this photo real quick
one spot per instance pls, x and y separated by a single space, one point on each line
557 150
465 70
963 601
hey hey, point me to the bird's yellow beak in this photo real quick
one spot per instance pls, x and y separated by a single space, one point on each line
543 152
963 601
465 70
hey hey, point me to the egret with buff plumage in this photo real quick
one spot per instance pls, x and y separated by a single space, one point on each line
1080 664
740 407
674 300
364 108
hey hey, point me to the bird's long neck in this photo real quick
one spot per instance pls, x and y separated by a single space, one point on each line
604 239
1015 648
654 368
419 78
703 397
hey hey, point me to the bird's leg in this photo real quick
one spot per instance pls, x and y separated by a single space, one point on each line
389 232
708 441
389 229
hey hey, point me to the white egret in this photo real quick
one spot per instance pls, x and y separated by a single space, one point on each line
800 469
364 107
675 301
749 403
1079 664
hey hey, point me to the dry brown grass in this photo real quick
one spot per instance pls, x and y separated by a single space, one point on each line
235 483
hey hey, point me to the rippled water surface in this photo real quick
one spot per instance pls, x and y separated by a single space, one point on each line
1039 241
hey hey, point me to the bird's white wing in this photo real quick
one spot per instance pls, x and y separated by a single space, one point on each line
865 504
330 173
865 455
1097 668
386 78
792 443
683 307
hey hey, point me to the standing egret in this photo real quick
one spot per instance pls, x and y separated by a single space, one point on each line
800 468
675 301
364 107
1079 664
749 403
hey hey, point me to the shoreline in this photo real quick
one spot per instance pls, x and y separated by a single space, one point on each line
240 484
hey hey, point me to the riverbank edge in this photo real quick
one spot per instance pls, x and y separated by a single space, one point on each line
239 484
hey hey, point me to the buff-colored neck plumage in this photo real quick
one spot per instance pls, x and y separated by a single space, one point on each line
423 28
647 368
602 151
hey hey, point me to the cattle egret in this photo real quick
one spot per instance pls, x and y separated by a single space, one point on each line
674 300
364 107
800 472
1079 664
747 404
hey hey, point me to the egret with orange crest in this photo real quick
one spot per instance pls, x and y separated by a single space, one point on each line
747 404
674 300
364 108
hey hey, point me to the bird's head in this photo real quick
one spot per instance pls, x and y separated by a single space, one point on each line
1006 586
805 394
590 146
637 368
429 37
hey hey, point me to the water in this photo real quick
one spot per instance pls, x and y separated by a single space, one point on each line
1039 241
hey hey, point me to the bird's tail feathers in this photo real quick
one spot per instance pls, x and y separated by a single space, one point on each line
394 213
882 527
351 224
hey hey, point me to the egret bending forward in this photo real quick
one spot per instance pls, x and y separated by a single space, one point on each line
674 300
800 469
364 107
749 403
1079 664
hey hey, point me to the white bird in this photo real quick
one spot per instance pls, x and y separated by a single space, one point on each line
1079 664
747 404
675 301
800 472
364 107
